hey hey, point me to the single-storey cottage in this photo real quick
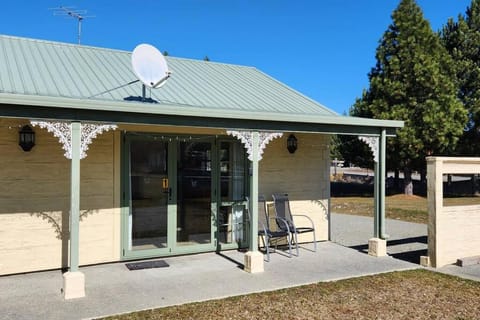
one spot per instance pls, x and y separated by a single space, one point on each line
95 168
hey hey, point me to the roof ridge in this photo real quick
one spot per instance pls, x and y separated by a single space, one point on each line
212 62
67 44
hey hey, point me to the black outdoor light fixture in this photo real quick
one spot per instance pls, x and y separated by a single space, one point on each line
292 143
26 138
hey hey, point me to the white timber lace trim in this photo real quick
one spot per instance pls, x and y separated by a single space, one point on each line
62 130
372 142
246 137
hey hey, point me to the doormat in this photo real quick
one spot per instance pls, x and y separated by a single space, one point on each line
147 265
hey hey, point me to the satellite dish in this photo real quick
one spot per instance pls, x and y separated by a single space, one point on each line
150 66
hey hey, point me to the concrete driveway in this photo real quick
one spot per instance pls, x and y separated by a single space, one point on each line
407 241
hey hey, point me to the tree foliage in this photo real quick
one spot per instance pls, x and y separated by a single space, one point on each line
412 81
352 150
462 41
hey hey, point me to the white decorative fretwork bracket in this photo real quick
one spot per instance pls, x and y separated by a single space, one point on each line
62 131
246 138
372 142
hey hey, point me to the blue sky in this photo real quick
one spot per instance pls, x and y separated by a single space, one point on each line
322 48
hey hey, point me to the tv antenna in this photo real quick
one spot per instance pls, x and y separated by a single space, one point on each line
80 15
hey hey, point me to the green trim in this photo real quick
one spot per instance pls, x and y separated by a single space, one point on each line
153 253
382 175
92 105
168 114
126 252
379 189
233 244
215 194
183 249
75 196
376 214
172 201
124 194
253 243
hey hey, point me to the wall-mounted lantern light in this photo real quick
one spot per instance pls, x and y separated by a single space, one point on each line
292 143
26 138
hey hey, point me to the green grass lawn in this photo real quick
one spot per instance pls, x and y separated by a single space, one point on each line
416 294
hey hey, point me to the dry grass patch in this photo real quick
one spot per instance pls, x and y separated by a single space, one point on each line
416 294
400 207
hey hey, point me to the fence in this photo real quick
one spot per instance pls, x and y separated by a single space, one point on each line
453 230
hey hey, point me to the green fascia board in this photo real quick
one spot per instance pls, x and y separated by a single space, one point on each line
30 106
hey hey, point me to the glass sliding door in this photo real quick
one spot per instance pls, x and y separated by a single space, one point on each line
194 194
149 194
233 189
182 195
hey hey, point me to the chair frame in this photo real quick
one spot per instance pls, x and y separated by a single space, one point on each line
267 234
283 197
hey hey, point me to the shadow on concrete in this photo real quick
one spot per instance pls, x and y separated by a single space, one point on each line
239 264
412 256
420 239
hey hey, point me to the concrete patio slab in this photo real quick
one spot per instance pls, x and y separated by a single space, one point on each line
113 289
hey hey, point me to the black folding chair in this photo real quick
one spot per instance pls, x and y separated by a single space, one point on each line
282 210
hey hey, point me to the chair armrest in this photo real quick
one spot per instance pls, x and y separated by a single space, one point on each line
303 215
282 221
264 229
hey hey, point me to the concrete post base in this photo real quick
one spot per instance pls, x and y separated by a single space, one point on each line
73 285
425 261
377 247
253 262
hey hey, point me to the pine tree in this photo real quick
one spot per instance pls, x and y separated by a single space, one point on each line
412 81
462 41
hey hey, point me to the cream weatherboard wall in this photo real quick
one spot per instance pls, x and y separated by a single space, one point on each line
35 201
35 193
303 175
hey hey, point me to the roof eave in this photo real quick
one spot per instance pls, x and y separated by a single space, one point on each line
234 118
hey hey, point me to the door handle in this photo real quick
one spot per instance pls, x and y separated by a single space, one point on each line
165 184
166 188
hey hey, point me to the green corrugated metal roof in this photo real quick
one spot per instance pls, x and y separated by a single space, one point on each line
51 74
44 68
